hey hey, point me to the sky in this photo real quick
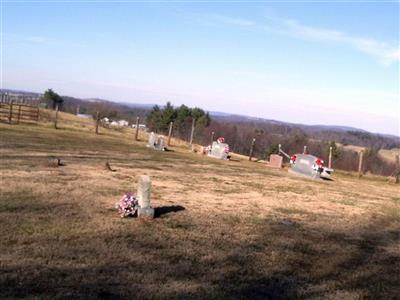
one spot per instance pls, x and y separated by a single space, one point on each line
310 62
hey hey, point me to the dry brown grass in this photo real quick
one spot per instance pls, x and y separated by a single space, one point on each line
224 229
389 155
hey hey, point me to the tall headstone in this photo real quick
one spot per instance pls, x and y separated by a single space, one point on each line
152 140
304 166
219 150
160 145
144 193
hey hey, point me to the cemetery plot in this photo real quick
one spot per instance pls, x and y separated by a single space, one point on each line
221 230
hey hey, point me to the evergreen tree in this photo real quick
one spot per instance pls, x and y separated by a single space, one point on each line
182 116
272 149
168 115
335 149
154 119
52 98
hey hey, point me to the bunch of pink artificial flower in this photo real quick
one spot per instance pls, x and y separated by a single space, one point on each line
127 205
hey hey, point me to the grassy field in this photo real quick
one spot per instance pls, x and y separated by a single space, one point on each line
228 230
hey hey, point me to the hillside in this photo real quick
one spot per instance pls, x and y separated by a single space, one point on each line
224 229
325 133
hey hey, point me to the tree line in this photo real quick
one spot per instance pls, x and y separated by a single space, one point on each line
239 134
159 119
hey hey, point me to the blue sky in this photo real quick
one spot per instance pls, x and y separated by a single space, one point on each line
305 62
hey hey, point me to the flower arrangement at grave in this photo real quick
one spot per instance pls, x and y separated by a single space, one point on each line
127 205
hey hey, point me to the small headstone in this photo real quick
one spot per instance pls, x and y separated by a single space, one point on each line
108 167
275 161
143 195
201 150
55 162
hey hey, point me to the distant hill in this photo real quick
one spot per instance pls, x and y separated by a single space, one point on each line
129 111
20 93
308 128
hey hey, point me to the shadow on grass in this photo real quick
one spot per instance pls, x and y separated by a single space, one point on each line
163 210
280 262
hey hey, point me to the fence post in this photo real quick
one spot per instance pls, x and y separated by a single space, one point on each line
97 122
397 174
192 132
56 117
171 124
19 113
10 113
360 163
330 158
305 150
253 142
212 137
137 129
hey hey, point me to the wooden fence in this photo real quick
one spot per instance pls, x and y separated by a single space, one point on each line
15 113
19 99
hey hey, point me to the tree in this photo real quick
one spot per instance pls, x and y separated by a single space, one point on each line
154 119
53 98
335 149
203 121
182 119
272 149
168 115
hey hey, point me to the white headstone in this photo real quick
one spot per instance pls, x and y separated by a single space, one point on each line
152 140
219 150
143 194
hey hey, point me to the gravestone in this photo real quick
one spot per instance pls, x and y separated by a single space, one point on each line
156 142
275 161
219 150
160 143
152 140
143 194
201 150
304 166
